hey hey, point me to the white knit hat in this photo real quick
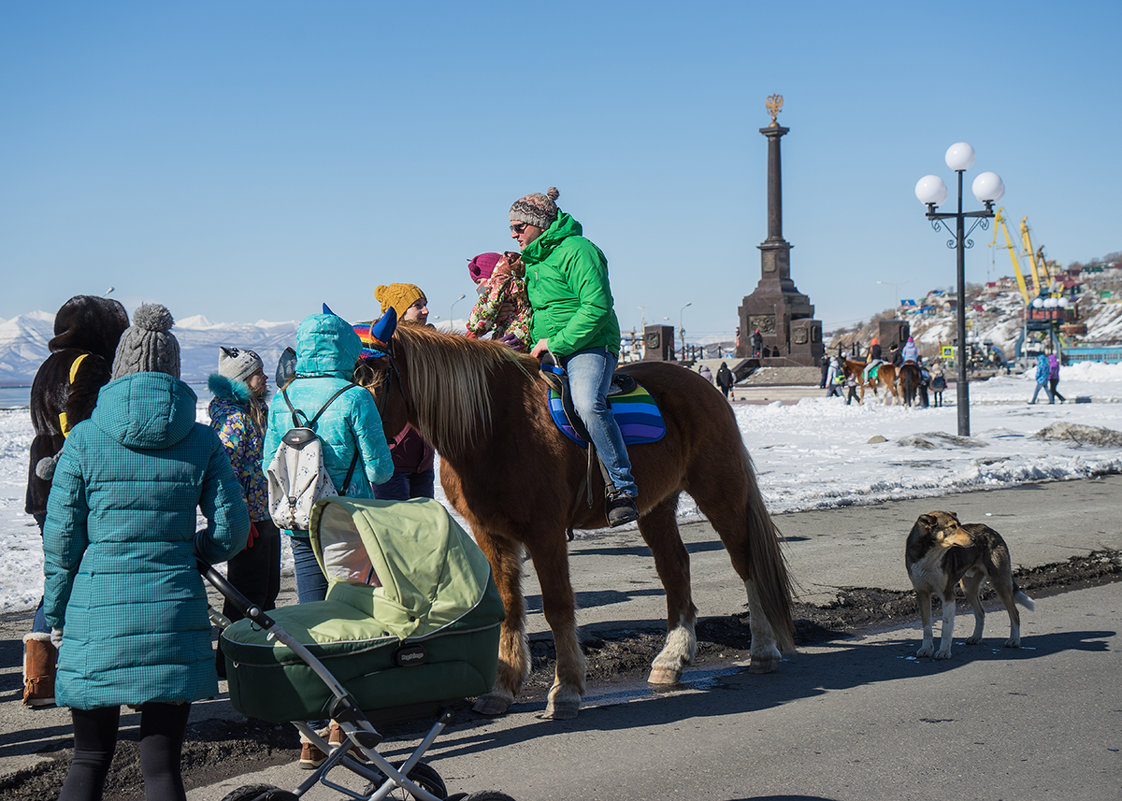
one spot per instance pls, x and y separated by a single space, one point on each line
238 364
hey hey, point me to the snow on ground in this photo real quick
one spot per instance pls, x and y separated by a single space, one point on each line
811 455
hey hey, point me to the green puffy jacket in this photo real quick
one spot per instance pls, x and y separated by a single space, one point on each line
567 282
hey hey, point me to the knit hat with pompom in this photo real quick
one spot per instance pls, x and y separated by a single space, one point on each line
398 296
536 209
148 346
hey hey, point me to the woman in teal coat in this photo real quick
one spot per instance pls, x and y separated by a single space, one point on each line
327 350
124 598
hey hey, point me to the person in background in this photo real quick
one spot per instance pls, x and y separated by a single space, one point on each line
574 319
413 473
938 386
64 392
835 378
874 359
1042 370
851 387
1054 377
910 352
503 308
757 343
705 372
124 597
239 413
725 379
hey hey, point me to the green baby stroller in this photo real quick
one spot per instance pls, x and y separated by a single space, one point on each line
411 617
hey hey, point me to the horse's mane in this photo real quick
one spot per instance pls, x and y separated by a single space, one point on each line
449 383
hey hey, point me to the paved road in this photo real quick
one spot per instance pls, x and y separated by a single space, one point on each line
847 720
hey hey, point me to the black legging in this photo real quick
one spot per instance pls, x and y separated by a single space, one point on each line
161 745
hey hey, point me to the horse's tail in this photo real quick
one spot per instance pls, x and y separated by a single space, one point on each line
767 568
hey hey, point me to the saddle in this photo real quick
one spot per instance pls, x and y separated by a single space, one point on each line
632 406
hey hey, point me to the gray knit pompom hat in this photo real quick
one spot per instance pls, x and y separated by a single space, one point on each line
148 346
536 209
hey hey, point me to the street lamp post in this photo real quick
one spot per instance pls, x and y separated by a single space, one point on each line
450 308
931 191
681 312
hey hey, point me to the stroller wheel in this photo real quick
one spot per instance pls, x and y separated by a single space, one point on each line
488 795
259 792
425 777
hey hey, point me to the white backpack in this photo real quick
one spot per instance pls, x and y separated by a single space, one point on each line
296 476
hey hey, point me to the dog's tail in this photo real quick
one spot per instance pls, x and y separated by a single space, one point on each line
1020 597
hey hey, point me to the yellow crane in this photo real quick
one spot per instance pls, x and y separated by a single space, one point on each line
1040 275
999 223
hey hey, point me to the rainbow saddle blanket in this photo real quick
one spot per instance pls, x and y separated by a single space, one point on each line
635 410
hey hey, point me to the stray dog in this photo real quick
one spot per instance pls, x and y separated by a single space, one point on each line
942 552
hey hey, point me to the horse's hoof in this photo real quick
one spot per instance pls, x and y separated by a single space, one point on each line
491 705
561 710
663 677
763 664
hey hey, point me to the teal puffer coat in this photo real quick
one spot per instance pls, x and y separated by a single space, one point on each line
120 542
327 349
567 282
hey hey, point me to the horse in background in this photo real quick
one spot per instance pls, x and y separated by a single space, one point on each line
909 379
521 484
885 376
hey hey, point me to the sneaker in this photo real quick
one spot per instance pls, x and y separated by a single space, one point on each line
621 509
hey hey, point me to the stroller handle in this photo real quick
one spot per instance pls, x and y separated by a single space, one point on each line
233 594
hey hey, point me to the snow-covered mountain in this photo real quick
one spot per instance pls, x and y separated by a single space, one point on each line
23 344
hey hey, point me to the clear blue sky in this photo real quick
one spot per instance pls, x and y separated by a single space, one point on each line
247 160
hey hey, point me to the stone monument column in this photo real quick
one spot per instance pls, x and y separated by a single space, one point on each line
776 308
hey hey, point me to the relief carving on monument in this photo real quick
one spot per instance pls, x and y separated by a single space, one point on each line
764 323
799 336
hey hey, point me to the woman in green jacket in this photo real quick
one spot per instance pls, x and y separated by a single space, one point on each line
574 319
124 599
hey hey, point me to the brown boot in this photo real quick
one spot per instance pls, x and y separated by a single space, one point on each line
38 670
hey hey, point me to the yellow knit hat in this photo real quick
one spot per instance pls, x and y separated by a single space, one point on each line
400 296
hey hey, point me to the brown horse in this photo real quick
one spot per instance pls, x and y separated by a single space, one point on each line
909 380
520 484
886 377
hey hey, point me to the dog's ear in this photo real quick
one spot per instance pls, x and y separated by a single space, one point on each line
927 521
954 515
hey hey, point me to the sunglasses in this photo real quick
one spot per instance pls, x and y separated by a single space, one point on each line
518 227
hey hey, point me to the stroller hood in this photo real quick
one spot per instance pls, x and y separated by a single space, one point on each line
426 570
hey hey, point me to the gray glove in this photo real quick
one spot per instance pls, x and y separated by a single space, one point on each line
56 638
45 467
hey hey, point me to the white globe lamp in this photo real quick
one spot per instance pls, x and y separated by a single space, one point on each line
960 156
931 190
988 187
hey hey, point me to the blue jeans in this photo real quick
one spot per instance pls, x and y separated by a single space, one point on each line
311 584
590 375
1047 390
403 486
